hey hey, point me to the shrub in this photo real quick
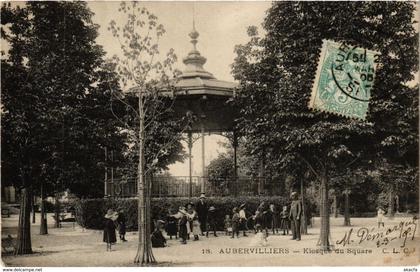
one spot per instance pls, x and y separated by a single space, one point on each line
90 212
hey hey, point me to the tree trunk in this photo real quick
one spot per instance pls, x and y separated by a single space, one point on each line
24 245
346 209
323 241
261 177
33 209
144 250
391 206
304 225
43 229
57 213
335 210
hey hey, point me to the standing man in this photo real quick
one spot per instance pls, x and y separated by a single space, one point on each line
202 210
295 215
243 219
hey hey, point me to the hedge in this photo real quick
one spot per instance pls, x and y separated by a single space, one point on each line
90 212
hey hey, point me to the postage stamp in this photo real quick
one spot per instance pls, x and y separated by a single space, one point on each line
344 80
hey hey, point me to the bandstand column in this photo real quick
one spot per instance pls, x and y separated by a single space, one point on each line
190 145
203 162
261 174
235 164
106 175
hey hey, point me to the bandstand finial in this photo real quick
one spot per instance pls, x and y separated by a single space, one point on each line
194 33
194 61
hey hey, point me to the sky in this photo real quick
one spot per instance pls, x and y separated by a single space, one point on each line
221 25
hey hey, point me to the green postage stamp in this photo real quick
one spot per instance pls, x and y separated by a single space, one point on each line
344 80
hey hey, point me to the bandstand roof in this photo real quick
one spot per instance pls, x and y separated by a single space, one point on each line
204 95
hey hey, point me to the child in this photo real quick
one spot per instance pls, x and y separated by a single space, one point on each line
110 237
228 224
121 226
157 238
211 219
235 223
193 221
242 218
258 219
284 220
260 239
381 213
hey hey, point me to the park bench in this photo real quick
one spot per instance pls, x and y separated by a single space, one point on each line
65 219
5 212
69 220
7 245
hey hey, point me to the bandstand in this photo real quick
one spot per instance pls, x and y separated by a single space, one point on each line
198 93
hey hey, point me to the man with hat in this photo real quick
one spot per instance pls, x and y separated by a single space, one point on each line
202 210
295 215
242 218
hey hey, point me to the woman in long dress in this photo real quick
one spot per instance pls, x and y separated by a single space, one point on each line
182 217
171 226
110 237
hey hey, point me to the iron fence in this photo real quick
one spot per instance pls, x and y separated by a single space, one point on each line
162 186
182 186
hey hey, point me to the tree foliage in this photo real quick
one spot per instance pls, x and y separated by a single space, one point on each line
56 115
277 71
220 169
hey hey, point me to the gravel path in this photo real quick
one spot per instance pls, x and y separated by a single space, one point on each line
70 246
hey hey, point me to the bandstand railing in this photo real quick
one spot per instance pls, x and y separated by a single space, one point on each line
180 186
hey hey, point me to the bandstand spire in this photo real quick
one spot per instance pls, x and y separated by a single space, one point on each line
194 61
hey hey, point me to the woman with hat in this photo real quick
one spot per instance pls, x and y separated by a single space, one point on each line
110 237
157 237
171 226
182 224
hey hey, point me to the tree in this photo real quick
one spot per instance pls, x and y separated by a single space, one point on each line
347 184
53 104
144 76
276 74
221 171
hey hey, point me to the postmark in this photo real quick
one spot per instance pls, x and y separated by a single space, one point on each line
344 79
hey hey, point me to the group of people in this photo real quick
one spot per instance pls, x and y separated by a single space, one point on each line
198 220
267 218
195 220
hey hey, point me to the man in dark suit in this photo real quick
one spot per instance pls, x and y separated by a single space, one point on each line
202 210
295 215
